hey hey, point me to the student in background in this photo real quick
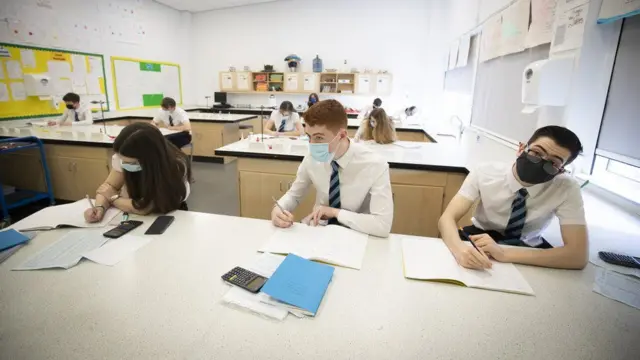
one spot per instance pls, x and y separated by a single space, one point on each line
174 118
404 114
378 127
364 113
516 203
153 172
284 121
313 98
76 113
351 182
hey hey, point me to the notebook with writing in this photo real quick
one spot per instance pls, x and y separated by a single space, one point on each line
63 216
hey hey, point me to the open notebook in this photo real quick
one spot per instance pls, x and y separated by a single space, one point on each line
331 244
430 259
63 216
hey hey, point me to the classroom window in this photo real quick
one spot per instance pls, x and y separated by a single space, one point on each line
617 177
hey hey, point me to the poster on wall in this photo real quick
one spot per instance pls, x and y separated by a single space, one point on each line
568 30
543 13
491 38
613 10
515 24
463 50
453 54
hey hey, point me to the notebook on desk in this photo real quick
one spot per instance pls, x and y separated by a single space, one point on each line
63 216
430 259
331 244
299 283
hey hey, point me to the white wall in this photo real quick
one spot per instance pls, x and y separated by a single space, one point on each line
166 31
378 34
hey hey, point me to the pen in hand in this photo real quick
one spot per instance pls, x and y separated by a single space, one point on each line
285 212
90 202
467 238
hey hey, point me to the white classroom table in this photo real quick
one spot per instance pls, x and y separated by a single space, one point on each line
164 302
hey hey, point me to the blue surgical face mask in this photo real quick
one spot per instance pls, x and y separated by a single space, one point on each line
320 152
130 167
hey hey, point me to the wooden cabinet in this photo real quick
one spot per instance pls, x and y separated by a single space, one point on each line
227 81
243 81
292 82
416 209
73 178
364 84
207 137
258 190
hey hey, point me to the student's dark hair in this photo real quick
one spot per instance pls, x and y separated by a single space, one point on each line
562 136
73 97
287 106
329 113
309 103
168 103
377 102
160 185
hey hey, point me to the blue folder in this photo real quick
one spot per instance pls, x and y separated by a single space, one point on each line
10 238
300 283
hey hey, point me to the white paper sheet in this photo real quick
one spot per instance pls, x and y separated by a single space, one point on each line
227 81
28 59
364 84
490 46
65 252
14 70
17 91
332 244
93 85
62 86
515 25
453 54
95 65
4 92
613 10
430 259
79 64
1 71
68 214
117 250
291 82
383 84
619 287
568 29
309 82
463 50
543 14
58 69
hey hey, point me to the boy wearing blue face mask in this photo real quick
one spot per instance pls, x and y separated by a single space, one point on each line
516 202
351 182
284 121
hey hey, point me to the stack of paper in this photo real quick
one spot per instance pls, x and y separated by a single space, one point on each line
63 216
617 282
299 284
430 259
331 244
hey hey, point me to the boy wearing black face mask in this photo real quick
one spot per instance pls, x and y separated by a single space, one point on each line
516 202
75 113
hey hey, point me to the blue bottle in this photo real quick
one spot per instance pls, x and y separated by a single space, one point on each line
317 64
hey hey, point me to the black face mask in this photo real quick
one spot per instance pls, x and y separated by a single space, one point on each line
532 172
70 107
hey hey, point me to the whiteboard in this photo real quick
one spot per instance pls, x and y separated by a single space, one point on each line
497 96
143 83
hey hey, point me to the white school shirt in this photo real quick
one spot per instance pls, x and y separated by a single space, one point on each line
364 113
365 189
496 187
84 116
115 165
178 116
290 121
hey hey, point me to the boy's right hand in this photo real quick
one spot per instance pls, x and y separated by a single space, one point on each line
93 215
470 258
281 219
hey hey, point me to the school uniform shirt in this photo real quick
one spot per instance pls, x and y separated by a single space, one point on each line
365 189
289 121
80 116
495 186
115 165
365 111
178 117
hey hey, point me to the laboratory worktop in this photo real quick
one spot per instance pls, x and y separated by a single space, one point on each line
252 111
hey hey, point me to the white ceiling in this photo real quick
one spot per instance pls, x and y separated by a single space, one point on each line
204 5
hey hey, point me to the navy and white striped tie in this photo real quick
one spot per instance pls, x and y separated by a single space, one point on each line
170 120
76 116
513 231
281 127
334 190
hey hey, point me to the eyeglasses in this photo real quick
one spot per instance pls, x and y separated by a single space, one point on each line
550 167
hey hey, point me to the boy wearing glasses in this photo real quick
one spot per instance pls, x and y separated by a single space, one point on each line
516 203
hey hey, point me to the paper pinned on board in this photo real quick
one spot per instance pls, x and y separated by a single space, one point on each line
58 69
453 54
568 32
93 85
28 58
1 72
17 91
515 25
4 92
491 38
79 64
14 70
543 13
463 50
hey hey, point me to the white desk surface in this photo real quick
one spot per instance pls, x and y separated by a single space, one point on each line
436 155
72 134
164 302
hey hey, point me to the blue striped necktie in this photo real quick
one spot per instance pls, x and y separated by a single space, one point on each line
334 190
513 231
281 128
170 120
77 119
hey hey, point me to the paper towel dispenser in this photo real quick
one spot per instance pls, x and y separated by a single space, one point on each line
38 85
546 83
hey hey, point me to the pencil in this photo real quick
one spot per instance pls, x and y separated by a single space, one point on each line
466 237
90 202
278 205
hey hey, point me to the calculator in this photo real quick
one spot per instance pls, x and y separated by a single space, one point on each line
245 279
622 260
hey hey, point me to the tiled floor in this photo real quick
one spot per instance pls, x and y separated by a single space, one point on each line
215 189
